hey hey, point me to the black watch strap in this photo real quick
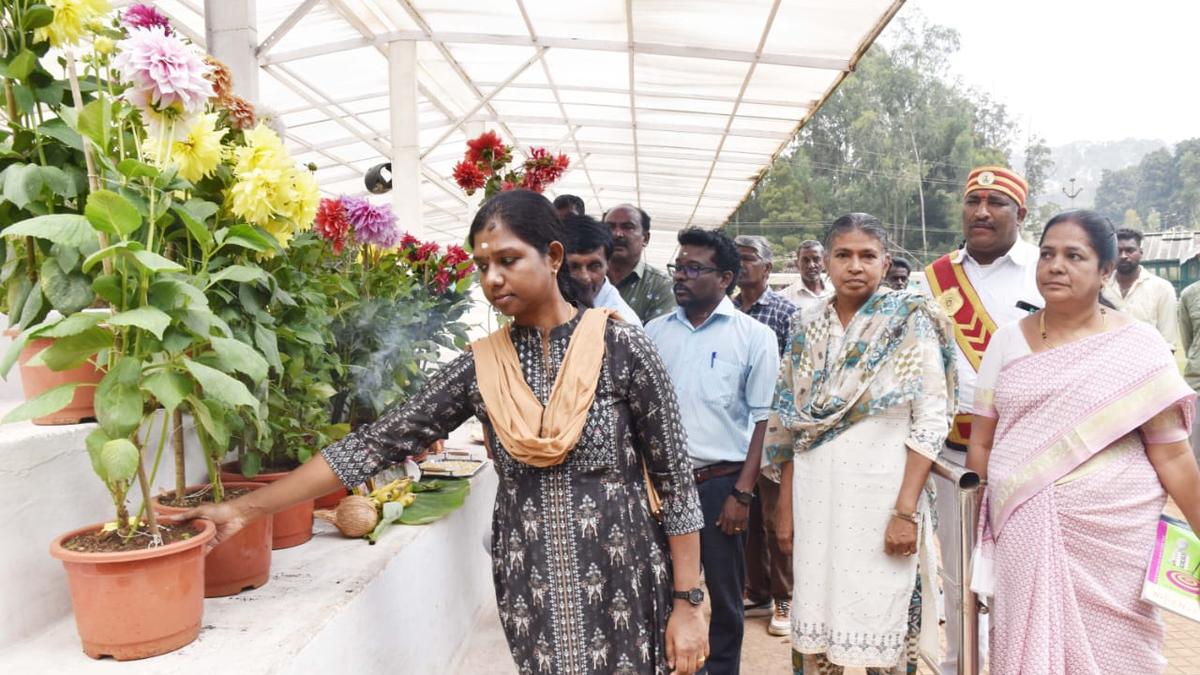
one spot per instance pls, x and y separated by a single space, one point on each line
692 595
744 498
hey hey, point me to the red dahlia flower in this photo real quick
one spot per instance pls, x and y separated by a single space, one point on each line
331 223
468 176
487 150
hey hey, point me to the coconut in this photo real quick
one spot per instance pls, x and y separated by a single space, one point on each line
355 516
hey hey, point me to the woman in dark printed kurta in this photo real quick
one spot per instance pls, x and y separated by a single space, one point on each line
582 571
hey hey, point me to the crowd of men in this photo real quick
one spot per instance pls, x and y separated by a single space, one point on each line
723 355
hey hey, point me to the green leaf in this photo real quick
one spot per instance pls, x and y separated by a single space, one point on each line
119 457
391 513
24 98
435 505
155 262
108 286
95 446
168 294
23 184
210 418
13 353
67 293
48 402
96 122
58 130
58 181
109 212
119 399
71 325
134 169
147 318
220 386
239 273
67 229
74 350
250 464
109 252
22 64
33 309
37 16
268 343
248 237
168 388
240 357
195 223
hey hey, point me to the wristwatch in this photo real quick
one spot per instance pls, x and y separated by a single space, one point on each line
693 595
744 498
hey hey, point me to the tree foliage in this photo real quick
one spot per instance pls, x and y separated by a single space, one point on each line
896 140
1163 190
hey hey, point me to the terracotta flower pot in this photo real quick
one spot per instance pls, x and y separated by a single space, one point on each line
331 500
291 527
36 380
136 604
237 564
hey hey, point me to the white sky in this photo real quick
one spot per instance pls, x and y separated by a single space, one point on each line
1072 70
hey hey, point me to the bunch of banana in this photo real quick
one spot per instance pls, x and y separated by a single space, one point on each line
399 490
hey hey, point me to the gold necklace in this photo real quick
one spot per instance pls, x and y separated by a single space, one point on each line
1042 324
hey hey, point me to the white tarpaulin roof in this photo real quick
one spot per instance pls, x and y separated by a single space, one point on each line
676 105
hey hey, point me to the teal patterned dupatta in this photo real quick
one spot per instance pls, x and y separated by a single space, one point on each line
826 385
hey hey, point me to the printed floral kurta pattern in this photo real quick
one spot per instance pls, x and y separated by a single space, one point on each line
582 570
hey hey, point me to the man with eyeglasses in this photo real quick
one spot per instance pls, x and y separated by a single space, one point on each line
646 289
723 364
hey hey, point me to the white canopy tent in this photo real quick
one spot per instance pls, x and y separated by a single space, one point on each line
675 105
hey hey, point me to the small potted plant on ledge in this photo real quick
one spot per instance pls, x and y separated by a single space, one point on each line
175 185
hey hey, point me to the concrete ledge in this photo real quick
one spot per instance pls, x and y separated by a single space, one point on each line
333 605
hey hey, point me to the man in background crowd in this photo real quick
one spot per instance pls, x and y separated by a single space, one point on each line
813 285
898 273
768 569
568 205
1189 333
646 289
589 246
1139 292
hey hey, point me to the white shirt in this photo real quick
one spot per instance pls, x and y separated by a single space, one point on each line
1151 299
1010 278
802 297
609 297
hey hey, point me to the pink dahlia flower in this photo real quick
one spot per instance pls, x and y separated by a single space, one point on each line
145 16
163 71
373 224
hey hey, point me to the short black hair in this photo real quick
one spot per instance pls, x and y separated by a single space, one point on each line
1126 233
645 216
585 233
725 252
897 261
564 201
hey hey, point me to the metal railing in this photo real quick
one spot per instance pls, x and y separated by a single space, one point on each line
952 475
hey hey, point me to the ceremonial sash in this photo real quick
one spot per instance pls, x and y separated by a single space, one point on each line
973 328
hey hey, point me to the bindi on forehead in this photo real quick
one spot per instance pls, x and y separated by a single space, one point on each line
484 246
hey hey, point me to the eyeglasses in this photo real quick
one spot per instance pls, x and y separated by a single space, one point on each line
690 271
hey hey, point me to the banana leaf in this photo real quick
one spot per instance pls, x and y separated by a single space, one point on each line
435 499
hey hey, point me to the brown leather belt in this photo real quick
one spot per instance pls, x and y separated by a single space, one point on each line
716 471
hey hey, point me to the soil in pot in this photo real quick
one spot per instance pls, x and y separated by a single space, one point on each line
291 527
240 563
137 603
35 380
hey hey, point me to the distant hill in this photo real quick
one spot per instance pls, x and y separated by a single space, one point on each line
1084 160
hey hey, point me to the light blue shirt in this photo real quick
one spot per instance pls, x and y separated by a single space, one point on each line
609 297
724 373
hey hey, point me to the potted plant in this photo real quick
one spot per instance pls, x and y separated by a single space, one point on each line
180 202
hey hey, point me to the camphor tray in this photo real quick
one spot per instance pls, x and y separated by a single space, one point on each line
452 464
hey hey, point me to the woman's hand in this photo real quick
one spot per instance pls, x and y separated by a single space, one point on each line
900 537
227 516
783 531
687 639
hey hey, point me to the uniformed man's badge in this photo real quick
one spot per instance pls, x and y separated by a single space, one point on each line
986 178
951 301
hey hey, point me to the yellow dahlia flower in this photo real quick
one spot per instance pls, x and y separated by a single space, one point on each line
302 199
197 154
257 195
70 17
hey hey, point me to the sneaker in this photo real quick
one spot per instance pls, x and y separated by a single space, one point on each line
781 621
751 608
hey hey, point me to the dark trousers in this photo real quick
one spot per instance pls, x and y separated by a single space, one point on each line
724 561
768 570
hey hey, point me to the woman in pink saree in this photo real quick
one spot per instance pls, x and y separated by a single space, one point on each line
1081 432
